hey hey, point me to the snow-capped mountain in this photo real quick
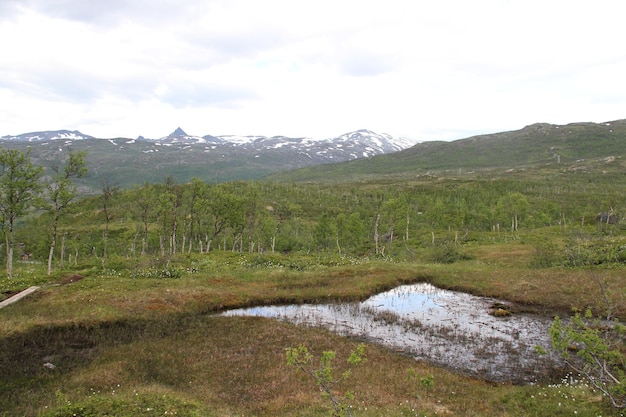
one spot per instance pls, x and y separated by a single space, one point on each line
179 136
378 143
212 158
359 144
48 135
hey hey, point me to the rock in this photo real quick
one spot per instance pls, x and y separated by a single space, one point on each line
500 312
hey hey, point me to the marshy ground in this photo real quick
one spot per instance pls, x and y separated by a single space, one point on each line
124 343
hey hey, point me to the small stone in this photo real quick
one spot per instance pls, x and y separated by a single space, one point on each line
500 312
49 365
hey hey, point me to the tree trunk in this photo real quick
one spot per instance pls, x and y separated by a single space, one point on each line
406 232
376 233
51 253
134 247
105 239
9 243
174 237
63 250
55 222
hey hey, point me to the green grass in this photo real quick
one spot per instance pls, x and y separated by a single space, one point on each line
127 343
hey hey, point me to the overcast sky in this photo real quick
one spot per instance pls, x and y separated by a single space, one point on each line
426 70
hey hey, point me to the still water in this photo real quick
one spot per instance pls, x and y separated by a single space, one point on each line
447 328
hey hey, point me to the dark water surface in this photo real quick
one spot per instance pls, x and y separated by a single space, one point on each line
447 328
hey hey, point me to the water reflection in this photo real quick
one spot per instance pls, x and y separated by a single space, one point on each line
447 328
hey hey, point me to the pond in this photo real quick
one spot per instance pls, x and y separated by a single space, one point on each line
473 335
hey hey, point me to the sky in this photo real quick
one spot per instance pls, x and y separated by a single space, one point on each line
423 70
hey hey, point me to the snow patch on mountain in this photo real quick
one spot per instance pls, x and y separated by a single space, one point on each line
240 140
48 135
352 145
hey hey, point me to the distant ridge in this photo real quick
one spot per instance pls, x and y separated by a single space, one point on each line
48 135
569 146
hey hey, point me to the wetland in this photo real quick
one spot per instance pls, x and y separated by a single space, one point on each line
479 336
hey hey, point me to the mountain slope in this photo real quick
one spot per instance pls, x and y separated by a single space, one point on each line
537 145
48 135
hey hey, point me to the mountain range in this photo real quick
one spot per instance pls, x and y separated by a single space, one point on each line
181 156
540 149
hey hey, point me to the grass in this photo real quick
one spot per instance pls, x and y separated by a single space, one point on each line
126 343
235 366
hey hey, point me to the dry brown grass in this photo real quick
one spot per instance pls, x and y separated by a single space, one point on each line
238 366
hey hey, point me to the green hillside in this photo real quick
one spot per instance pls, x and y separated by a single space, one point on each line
576 146
127 162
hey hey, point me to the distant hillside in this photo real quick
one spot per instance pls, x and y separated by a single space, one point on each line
126 162
575 146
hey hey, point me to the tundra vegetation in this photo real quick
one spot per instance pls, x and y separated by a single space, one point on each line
123 323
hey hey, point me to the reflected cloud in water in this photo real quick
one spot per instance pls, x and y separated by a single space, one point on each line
447 328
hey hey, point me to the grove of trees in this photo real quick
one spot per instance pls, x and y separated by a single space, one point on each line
22 186
378 219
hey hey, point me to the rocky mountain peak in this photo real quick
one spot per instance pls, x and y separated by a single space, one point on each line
178 132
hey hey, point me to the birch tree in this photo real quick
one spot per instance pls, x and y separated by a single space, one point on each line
61 192
20 186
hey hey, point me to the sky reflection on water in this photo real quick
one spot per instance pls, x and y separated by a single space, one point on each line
447 328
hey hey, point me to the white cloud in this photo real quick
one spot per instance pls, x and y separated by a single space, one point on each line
425 70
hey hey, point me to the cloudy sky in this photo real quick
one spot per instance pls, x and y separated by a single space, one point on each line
437 69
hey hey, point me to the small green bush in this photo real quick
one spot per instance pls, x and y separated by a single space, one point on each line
446 253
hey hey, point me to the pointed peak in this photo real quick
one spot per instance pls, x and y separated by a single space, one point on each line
178 132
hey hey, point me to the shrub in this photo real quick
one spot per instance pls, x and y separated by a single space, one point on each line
324 376
447 253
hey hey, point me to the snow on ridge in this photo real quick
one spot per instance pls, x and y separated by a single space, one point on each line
403 142
69 135
268 141
196 139
363 136
352 145
240 139
47 135
184 139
